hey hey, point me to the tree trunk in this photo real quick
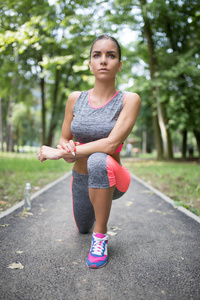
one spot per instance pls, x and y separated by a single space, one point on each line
184 144
162 134
162 129
42 87
1 125
174 45
197 136
54 113
169 145
152 66
144 140
166 136
150 141
158 139
8 127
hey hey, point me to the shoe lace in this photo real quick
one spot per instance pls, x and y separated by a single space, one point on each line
98 245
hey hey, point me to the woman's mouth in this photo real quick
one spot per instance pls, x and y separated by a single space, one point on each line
103 69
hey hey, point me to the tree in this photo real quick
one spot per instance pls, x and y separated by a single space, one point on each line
165 34
48 44
178 26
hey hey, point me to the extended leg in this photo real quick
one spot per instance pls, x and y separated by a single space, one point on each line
82 208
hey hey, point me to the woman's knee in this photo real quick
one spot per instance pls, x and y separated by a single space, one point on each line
96 162
97 171
86 227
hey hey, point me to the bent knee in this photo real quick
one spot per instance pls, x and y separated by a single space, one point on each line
97 171
85 229
96 162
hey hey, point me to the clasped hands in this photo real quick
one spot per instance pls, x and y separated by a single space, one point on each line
47 152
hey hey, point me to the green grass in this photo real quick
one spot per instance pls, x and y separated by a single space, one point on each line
17 169
178 180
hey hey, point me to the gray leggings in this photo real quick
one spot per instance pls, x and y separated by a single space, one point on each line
103 172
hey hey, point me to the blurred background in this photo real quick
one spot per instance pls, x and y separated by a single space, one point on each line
44 54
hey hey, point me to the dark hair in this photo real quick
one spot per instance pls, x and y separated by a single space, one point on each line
107 37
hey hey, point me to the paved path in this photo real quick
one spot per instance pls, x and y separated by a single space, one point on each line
155 254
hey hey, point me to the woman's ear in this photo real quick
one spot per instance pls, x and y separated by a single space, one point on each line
120 66
90 66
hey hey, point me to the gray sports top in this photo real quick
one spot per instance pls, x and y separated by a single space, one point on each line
91 123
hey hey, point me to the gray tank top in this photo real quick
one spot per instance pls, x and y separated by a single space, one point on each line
91 123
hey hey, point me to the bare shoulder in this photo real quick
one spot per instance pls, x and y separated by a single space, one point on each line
132 99
72 100
74 96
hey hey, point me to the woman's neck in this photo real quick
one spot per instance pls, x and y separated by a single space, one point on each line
103 91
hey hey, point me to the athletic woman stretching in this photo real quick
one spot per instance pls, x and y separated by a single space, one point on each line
98 121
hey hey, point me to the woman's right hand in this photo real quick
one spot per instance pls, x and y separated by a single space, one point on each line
69 147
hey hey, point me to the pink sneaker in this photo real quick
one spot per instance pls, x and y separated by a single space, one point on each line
98 255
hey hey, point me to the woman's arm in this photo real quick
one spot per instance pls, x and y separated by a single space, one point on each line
66 134
120 132
65 142
126 121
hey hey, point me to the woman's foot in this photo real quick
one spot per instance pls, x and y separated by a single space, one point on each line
98 255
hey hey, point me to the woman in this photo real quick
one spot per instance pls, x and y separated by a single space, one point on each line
99 121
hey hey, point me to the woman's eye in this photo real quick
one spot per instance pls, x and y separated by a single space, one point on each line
96 55
111 56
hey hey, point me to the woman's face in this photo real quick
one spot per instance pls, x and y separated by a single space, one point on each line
104 62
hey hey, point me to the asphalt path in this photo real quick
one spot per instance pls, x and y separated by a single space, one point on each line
154 251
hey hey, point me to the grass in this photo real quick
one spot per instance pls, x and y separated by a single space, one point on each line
178 180
17 169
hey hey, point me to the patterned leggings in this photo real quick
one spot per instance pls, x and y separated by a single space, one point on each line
103 172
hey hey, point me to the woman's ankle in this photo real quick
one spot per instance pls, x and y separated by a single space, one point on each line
98 229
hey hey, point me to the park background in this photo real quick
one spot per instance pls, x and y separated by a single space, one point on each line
44 54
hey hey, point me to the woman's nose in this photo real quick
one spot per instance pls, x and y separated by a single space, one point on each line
103 59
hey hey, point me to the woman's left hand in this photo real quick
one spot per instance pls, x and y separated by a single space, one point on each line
46 152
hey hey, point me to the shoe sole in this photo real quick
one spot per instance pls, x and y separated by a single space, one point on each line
95 267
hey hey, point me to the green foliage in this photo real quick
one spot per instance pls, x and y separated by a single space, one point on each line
22 168
179 181
175 31
47 44
44 53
